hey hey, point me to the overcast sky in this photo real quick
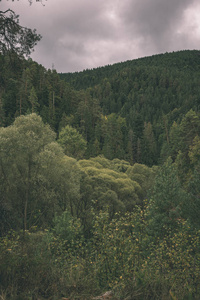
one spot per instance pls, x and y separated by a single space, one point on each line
85 34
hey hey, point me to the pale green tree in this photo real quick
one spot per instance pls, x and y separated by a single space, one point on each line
104 185
104 188
34 174
72 142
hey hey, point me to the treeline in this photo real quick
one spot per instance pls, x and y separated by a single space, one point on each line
180 61
124 111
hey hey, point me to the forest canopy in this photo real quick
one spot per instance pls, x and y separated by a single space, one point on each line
99 176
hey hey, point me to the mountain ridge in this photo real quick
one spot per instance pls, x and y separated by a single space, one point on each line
168 59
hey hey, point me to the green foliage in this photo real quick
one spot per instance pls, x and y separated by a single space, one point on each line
19 255
144 176
72 142
34 174
104 185
183 143
118 256
117 247
150 93
169 271
117 109
192 203
114 129
112 220
194 152
64 227
167 198
33 99
149 147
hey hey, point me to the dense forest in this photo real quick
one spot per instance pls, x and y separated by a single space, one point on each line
99 180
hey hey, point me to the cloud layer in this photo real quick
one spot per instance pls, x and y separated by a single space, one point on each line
85 34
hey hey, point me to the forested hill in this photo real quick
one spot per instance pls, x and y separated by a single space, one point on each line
150 93
99 180
125 111
179 61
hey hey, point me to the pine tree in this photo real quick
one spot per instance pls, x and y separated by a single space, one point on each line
33 99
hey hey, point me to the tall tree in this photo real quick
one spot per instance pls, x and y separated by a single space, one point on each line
31 173
33 99
114 136
167 198
192 205
24 91
148 145
72 142
2 113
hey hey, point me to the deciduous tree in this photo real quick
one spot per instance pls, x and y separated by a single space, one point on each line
34 175
72 142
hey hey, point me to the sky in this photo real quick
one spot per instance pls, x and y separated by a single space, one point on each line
85 34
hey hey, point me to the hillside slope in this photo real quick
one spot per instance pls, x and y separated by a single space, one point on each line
124 111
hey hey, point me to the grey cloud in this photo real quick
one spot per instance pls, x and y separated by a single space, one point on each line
81 18
156 20
81 34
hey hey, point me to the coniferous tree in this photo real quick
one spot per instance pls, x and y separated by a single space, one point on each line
191 208
166 201
15 38
148 145
33 99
